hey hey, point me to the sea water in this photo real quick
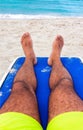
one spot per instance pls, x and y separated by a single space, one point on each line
40 8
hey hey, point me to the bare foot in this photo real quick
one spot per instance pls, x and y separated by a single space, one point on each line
59 73
27 46
26 73
56 49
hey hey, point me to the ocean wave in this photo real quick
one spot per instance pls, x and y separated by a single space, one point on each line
22 16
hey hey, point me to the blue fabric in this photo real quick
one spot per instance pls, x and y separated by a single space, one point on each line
42 70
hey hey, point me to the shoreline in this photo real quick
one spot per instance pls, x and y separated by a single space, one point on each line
43 32
38 16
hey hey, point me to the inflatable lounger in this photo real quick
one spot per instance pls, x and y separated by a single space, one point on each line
42 69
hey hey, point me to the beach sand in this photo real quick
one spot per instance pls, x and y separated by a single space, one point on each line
43 32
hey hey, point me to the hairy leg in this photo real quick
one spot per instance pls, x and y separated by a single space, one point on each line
63 97
22 98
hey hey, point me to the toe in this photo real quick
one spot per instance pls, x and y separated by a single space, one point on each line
25 35
59 37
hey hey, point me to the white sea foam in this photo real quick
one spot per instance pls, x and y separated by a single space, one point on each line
22 16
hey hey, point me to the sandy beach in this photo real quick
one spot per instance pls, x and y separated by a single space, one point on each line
43 32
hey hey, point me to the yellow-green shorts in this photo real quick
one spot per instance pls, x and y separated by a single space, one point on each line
19 121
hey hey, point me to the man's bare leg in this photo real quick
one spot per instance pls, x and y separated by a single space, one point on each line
63 97
22 98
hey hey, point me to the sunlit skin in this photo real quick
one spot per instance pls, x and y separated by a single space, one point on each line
62 98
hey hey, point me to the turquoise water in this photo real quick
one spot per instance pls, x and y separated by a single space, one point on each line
41 7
